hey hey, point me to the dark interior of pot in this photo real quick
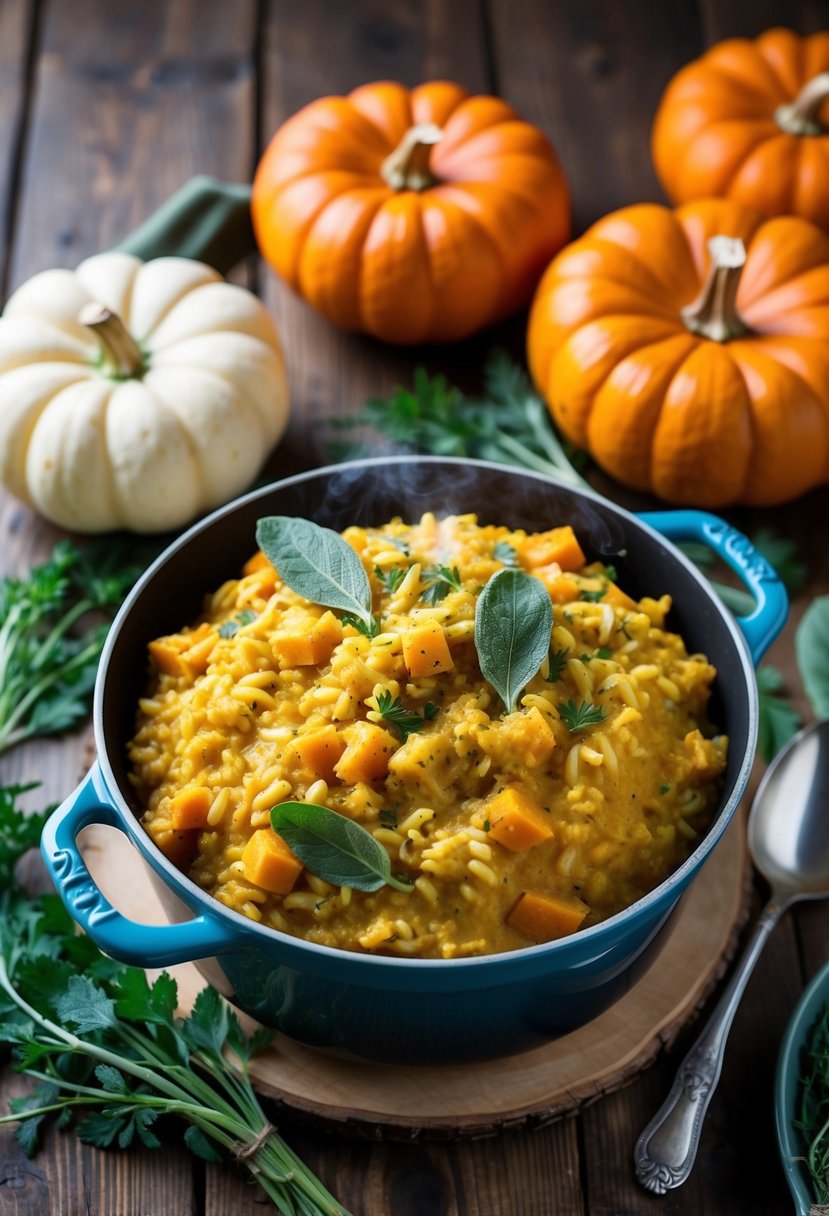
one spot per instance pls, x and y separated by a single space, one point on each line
373 492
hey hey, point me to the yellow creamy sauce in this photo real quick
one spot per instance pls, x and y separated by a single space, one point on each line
614 808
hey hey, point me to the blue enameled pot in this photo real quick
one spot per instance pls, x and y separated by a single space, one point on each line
399 1009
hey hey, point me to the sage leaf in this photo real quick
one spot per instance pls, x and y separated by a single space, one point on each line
333 847
811 643
778 721
513 624
317 564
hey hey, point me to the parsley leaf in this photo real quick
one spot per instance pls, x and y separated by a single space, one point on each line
556 660
19 831
579 717
440 580
406 722
51 637
390 579
593 597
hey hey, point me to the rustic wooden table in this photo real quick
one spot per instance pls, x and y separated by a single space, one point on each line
105 109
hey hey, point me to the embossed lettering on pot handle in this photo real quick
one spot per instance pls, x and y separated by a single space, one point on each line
761 626
115 934
665 1151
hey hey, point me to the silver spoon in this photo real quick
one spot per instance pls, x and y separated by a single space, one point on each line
788 839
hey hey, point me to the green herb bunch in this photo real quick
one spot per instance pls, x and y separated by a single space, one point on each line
53 623
813 1109
104 1044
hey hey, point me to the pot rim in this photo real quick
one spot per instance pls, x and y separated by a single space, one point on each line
193 895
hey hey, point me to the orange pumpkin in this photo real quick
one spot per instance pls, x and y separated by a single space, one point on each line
688 351
414 216
750 121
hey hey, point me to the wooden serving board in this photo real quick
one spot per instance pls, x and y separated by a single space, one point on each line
480 1099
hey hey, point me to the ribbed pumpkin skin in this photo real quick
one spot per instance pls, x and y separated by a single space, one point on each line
408 265
690 419
715 132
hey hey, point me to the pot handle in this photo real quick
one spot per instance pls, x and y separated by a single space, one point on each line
115 934
761 626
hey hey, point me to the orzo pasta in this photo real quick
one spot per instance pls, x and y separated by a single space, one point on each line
513 828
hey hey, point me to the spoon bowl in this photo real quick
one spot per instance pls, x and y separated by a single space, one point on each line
788 830
788 838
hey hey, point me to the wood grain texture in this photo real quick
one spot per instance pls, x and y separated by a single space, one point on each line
591 74
17 32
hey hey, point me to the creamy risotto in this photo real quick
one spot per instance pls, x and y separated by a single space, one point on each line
512 828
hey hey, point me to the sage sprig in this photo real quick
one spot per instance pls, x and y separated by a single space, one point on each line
513 624
333 847
319 565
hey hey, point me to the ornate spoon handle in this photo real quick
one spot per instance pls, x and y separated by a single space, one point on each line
665 1151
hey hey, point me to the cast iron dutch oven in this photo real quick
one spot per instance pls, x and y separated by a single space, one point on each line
400 1009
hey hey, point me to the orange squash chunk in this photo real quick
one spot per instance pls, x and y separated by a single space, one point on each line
319 750
558 545
259 564
561 588
190 807
184 653
270 863
311 648
543 918
619 599
426 650
516 821
177 847
367 754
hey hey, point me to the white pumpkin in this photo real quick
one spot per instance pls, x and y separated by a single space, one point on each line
136 394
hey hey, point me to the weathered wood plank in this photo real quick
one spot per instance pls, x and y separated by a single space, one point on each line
591 75
748 18
16 33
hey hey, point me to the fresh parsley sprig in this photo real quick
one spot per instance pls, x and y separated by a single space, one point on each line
579 717
229 629
508 423
405 721
19 830
54 623
103 1042
390 579
439 581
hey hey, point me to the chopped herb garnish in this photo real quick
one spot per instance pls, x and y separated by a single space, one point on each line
487 825
611 572
229 629
593 597
556 660
388 818
505 552
406 722
579 717
390 579
440 580
664 789
604 652
369 628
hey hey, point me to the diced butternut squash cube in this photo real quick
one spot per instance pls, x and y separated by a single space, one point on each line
178 847
269 863
558 545
190 807
561 588
367 753
516 821
543 918
426 650
619 599
167 656
256 563
318 751
182 654
312 648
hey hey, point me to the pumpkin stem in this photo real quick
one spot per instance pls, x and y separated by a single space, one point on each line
407 168
121 355
713 314
802 116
